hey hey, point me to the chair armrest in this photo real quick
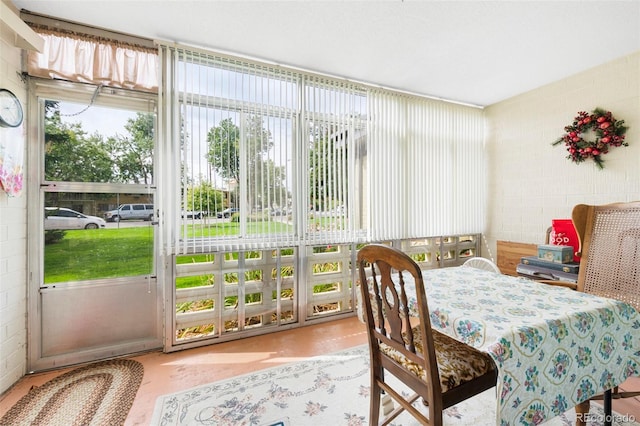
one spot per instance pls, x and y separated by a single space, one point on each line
572 286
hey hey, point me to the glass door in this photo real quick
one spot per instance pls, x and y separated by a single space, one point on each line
96 292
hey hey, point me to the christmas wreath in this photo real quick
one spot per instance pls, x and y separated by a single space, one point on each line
592 135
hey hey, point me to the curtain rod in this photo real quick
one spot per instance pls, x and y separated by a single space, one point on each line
60 24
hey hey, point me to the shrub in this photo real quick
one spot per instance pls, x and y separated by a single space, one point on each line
53 236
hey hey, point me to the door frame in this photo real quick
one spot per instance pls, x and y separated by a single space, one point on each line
80 311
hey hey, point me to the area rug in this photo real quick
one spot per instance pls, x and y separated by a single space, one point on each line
325 390
96 394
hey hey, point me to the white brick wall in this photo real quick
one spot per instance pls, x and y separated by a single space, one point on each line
530 181
13 247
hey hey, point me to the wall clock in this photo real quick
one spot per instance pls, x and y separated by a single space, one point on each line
10 109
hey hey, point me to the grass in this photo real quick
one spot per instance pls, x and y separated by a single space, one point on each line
122 252
100 253
226 229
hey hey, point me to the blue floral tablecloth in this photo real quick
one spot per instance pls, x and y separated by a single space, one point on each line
554 347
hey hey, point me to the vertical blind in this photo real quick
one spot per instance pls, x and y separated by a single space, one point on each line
426 167
335 119
238 162
446 168
303 158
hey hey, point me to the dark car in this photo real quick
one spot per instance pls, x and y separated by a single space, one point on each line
192 215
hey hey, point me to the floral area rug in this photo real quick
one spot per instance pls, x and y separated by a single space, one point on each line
331 389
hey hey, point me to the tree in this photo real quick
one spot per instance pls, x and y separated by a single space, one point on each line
224 149
133 154
71 155
204 198
327 161
269 178
265 180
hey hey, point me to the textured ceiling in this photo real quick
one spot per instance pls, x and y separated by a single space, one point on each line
477 52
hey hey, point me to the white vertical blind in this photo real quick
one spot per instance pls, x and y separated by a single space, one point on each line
387 161
426 174
237 133
335 114
309 159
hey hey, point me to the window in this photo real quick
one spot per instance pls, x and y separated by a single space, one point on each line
276 157
95 158
272 178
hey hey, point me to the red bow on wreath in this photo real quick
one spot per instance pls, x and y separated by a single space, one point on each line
606 130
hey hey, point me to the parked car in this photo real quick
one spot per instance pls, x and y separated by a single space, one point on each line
227 213
130 212
281 212
192 215
64 218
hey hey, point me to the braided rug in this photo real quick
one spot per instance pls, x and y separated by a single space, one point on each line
101 393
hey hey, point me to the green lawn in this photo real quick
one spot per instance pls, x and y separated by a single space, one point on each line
121 252
225 229
89 254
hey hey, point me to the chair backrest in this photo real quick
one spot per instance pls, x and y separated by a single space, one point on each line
482 263
610 250
384 297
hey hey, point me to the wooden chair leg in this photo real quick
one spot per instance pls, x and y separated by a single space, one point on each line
374 409
608 409
582 412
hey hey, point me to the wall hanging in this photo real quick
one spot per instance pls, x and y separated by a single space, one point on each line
592 135
12 139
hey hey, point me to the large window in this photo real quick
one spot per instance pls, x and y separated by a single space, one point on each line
272 178
270 157
267 157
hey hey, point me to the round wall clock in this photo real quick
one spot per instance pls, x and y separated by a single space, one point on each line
10 109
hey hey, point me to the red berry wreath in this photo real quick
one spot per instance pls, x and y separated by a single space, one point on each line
605 130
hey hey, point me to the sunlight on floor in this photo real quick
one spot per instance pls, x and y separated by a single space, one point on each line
223 358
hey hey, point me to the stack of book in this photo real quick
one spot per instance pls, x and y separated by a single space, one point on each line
543 269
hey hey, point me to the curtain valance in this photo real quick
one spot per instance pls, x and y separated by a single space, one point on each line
68 55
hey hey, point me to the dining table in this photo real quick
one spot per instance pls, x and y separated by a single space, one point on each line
554 347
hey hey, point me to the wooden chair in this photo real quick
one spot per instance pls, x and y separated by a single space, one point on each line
609 264
482 263
440 370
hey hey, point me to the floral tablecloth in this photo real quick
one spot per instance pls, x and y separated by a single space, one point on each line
554 347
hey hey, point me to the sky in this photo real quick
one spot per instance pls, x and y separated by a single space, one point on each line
106 121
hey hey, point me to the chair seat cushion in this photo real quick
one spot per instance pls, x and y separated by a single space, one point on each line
458 363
